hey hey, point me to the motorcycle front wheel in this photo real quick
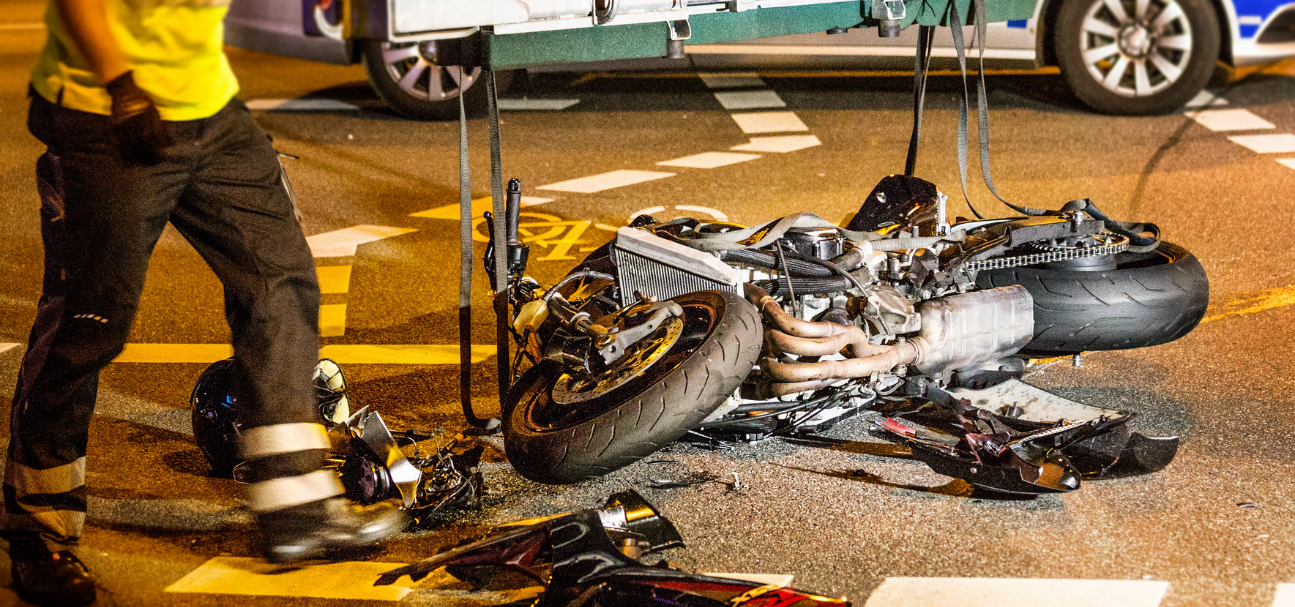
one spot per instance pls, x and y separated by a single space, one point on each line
1145 300
582 433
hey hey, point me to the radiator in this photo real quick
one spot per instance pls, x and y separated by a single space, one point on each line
663 269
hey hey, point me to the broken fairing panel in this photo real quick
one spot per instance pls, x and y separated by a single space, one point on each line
1017 438
375 468
591 558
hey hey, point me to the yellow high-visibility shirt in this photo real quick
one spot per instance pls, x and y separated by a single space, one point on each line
174 48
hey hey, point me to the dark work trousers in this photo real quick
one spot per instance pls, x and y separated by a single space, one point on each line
219 184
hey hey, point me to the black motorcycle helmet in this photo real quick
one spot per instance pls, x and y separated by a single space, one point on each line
216 400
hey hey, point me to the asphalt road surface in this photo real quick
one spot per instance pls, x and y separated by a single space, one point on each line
845 515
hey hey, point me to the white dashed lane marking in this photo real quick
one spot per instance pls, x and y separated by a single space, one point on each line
1206 99
749 100
6 347
536 105
995 592
343 243
708 160
1267 144
778 145
311 104
605 181
1230 120
769 122
731 81
1285 596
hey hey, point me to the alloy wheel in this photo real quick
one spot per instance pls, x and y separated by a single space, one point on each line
1136 48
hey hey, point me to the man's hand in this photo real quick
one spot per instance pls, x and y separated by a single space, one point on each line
136 125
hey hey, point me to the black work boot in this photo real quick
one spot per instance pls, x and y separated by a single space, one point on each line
52 579
318 529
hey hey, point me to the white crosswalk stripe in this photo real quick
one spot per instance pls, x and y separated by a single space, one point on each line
1230 120
1004 592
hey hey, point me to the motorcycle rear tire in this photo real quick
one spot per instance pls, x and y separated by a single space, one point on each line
633 421
1148 299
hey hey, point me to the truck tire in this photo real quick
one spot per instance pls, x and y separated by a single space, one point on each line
1148 299
555 443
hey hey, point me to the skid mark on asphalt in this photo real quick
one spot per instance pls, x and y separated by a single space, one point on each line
1252 303
1002 592
247 576
355 354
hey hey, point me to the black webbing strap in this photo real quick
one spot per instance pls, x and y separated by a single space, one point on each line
1134 231
466 254
922 65
497 204
955 24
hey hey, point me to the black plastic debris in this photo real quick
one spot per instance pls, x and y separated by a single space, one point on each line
1020 439
591 558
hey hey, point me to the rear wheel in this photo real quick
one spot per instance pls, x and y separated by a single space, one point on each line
1146 299
561 429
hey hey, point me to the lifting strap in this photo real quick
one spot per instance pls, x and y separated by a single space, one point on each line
497 203
1133 231
466 255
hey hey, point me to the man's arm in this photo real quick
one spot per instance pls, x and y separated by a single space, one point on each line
87 24
136 125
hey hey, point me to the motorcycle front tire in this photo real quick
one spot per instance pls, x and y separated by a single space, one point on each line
634 420
1148 299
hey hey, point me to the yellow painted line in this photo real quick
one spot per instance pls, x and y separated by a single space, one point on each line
6 347
402 354
355 354
332 320
254 577
174 353
334 279
479 208
1252 303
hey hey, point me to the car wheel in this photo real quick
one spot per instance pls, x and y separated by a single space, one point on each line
1137 56
417 88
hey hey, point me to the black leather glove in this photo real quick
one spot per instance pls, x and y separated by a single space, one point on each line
135 123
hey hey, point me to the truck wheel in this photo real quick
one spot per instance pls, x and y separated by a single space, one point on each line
559 431
416 88
1137 56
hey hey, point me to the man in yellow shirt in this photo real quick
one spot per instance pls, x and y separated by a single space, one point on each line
134 100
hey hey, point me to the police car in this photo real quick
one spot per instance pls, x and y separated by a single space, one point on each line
1117 56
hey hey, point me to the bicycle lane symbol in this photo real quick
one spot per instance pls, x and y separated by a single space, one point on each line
557 235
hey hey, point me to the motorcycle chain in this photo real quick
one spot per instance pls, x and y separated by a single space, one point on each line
999 263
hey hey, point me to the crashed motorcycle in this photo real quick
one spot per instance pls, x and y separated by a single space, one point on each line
719 333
